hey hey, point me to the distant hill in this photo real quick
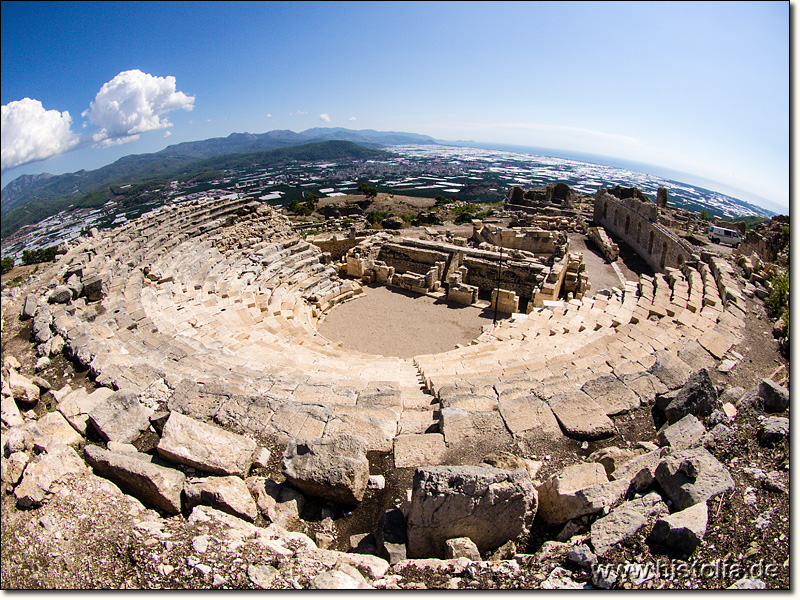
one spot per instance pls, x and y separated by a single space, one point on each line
36 201
49 188
368 137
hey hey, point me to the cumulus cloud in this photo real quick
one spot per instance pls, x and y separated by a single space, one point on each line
325 117
167 134
131 103
351 119
31 133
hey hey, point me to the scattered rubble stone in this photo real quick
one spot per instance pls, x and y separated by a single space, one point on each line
228 494
683 530
692 476
775 398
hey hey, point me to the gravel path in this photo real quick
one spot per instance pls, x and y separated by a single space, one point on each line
390 322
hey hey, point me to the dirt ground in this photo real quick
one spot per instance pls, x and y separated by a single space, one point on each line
398 204
392 322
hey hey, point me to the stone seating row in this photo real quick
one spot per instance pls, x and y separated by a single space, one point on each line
179 308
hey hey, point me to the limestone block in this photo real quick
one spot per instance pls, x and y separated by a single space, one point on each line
152 484
60 295
670 369
333 468
461 547
55 425
120 417
449 502
611 458
529 413
418 450
693 476
461 426
277 502
22 388
639 472
612 394
205 447
624 521
28 308
44 477
228 494
13 467
300 420
77 404
683 434
683 530
377 430
581 417
9 412
578 490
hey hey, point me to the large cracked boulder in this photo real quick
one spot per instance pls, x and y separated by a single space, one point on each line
693 476
333 468
697 397
120 417
206 447
489 506
580 489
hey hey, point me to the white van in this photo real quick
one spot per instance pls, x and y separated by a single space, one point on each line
720 235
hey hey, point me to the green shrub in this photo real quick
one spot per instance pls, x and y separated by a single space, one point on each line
778 301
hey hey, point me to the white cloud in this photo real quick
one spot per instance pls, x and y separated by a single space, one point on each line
298 113
325 117
31 133
133 103
269 115
108 142
167 134
351 119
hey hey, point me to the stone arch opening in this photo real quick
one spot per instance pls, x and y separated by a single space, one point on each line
664 255
650 243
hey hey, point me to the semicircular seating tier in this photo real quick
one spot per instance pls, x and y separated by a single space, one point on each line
219 301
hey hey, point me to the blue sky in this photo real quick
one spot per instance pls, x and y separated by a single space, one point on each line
696 87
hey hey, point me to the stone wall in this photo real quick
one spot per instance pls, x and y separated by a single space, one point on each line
536 241
505 301
632 217
336 246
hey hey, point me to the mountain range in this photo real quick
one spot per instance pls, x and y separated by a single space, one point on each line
46 187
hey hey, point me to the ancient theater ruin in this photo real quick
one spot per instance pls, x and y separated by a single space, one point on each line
199 323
